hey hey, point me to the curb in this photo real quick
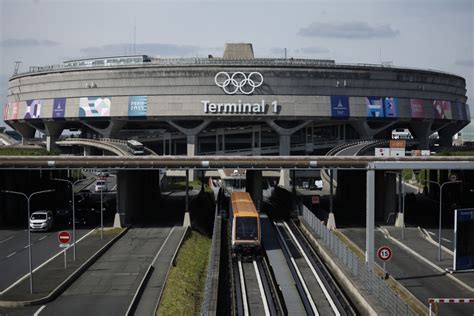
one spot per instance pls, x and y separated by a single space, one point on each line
423 259
68 281
431 240
357 298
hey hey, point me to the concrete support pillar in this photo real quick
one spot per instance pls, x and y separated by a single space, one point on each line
400 220
370 219
187 218
256 140
421 131
138 194
51 143
331 224
253 180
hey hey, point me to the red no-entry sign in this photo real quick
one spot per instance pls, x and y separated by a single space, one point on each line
64 237
384 253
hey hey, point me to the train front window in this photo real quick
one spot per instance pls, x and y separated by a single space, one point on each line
246 228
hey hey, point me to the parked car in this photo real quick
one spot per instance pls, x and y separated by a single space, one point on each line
41 220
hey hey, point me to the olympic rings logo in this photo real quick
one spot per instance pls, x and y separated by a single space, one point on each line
238 81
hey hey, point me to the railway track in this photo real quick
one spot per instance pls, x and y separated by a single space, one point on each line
318 290
255 290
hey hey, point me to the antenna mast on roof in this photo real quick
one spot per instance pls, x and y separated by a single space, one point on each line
17 68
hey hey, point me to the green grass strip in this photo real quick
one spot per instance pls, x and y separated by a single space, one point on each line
184 290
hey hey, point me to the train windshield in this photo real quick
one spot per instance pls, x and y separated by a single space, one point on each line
246 228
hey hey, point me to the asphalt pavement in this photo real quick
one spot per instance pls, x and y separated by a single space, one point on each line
108 286
420 278
14 252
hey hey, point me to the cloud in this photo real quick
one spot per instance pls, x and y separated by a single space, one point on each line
465 62
146 48
26 42
348 30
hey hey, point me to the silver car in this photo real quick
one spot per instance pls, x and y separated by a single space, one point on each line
41 220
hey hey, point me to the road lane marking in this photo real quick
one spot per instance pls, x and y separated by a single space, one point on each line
7 239
25 247
446 239
43 237
12 254
39 310
431 233
43 264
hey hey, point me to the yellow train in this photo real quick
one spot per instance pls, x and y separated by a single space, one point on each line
245 225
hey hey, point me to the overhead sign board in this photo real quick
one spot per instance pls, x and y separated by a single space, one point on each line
463 237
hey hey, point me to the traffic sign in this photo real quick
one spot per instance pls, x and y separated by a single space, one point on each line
64 237
384 253
315 199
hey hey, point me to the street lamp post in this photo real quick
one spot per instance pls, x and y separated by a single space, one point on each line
73 184
101 215
440 210
29 229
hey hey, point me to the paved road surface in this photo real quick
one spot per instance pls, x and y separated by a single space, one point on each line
14 252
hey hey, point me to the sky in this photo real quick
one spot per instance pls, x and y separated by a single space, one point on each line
427 34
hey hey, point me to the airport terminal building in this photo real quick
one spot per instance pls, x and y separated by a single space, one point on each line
235 104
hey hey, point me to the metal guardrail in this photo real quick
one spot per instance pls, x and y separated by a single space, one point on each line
211 288
269 62
372 282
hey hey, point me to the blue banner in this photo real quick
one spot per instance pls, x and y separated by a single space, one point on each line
374 106
59 107
340 106
137 105
390 107
463 237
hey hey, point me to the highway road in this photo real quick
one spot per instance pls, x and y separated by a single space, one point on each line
14 252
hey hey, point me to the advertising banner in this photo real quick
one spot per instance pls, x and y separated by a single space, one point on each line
391 107
417 110
5 112
463 237
442 109
33 109
94 106
59 107
340 106
374 106
137 105
459 110
15 107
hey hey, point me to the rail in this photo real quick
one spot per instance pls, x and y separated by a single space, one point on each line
373 283
265 62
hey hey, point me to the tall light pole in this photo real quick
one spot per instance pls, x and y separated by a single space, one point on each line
29 230
440 210
73 184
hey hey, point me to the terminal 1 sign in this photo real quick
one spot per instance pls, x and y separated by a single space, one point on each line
239 107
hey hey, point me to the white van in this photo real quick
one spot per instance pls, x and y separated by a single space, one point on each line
41 220
100 185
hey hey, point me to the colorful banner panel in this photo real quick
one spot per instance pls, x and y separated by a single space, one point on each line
137 105
94 106
417 110
460 111
340 106
33 109
391 107
374 106
442 109
59 107
5 111
15 107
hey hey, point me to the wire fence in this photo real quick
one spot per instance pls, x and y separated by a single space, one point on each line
372 282
211 288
